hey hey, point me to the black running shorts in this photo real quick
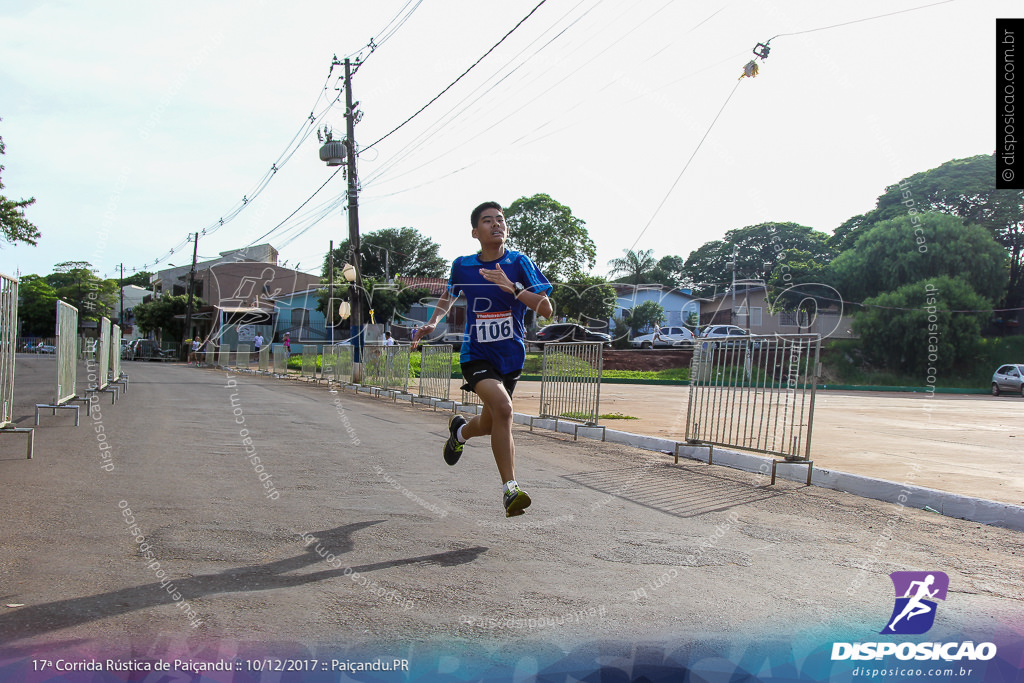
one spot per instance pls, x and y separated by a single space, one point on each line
476 370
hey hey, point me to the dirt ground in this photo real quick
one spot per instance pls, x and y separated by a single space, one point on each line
373 542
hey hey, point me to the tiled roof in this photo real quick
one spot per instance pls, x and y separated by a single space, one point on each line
435 285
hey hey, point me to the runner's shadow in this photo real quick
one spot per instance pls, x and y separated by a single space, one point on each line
26 622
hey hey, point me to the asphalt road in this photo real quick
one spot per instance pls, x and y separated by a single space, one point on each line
351 531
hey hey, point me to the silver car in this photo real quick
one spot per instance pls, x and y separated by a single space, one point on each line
1009 379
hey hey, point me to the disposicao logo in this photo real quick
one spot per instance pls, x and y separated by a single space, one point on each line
914 614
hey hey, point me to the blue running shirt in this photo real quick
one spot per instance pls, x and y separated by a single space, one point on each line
494 318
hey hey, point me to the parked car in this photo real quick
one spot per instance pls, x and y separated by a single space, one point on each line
665 336
45 348
725 332
1008 378
570 332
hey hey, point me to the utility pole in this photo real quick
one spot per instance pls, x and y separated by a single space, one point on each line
120 284
353 214
191 286
330 295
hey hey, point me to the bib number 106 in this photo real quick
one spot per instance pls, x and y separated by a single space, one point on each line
494 330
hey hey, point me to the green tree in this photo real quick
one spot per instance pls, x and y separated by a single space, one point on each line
551 236
643 316
160 314
76 283
931 323
585 299
14 227
139 279
964 188
634 265
38 307
759 249
392 251
913 248
670 271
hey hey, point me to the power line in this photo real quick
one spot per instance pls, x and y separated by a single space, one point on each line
450 85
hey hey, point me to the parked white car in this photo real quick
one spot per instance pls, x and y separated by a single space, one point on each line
1008 379
729 333
665 336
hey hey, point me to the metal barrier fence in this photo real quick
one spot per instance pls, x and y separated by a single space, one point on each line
329 364
224 356
280 359
756 394
8 347
436 371
571 384
67 346
103 358
263 363
309 354
116 376
243 357
387 367
345 364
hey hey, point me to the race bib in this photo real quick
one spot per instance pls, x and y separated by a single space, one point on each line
492 327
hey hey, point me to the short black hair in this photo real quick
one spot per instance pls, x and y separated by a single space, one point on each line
475 216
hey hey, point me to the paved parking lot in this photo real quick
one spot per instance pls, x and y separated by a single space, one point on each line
349 531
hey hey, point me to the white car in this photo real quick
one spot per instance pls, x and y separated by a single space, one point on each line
1009 379
664 337
726 332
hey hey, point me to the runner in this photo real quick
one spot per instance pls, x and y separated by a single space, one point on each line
499 285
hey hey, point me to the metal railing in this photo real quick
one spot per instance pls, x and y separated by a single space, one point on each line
263 362
224 356
8 344
243 357
344 355
309 354
755 393
387 367
280 359
571 384
436 371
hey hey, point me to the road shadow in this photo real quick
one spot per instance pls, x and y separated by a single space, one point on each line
681 491
34 620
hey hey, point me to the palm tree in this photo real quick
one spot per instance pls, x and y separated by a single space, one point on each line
634 264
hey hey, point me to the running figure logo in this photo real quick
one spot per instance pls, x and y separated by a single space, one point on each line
914 612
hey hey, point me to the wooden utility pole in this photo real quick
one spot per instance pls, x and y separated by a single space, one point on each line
353 215
191 288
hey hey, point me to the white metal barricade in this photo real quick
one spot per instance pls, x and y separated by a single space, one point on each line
263 363
280 359
99 369
8 347
224 356
755 393
66 352
436 373
309 354
116 375
344 359
243 357
571 384
386 368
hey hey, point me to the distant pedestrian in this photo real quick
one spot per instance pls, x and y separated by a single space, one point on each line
193 357
257 342
388 340
287 345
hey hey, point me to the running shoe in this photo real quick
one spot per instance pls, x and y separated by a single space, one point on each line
452 447
516 501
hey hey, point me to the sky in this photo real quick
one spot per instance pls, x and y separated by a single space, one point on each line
135 124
